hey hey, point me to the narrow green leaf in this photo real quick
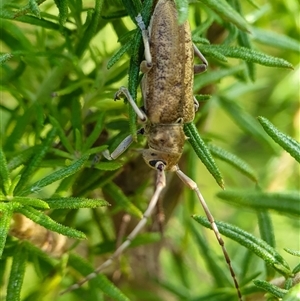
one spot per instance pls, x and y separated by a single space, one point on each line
22 157
215 76
75 203
245 121
213 53
133 8
4 173
38 252
293 252
91 139
62 154
272 289
286 142
45 221
35 160
95 181
108 165
24 10
256 245
266 227
100 282
296 269
233 31
200 40
9 206
78 140
16 40
57 175
76 121
202 97
203 27
288 283
267 234
61 133
72 87
248 55
125 48
282 202
202 152
253 3
5 57
91 29
34 8
274 39
244 41
5 219
31 202
183 10
3 270
21 124
31 20
17 273
233 160
120 198
62 6
226 12
133 81
97 150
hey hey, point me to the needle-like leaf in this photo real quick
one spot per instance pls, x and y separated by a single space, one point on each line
100 282
256 245
203 152
17 273
4 173
289 144
282 202
45 221
57 175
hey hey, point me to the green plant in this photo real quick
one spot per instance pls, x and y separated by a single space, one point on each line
57 114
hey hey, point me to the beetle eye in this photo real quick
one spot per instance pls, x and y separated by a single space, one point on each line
153 162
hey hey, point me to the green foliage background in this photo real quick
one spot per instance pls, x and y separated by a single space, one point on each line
57 115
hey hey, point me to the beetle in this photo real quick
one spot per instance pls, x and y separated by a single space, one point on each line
167 89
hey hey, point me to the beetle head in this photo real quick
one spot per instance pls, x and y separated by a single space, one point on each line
165 144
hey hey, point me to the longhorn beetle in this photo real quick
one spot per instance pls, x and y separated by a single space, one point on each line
167 88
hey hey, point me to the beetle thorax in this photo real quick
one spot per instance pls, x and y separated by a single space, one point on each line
166 143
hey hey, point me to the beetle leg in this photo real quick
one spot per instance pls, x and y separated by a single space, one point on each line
196 104
192 185
147 64
202 67
142 116
121 148
160 185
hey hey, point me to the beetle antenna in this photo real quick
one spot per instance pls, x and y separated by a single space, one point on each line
192 185
160 185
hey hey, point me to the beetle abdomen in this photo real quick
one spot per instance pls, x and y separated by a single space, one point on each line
168 86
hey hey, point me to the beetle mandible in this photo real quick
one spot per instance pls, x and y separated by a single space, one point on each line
167 89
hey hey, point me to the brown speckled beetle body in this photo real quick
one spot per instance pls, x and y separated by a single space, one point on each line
167 88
